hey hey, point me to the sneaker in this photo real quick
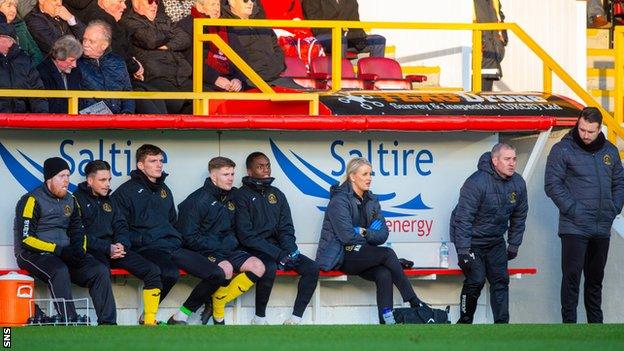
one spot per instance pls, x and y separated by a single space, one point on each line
172 321
256 321
289 321
218 323
599 21
206 313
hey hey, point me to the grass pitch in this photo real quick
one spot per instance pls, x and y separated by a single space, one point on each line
339 337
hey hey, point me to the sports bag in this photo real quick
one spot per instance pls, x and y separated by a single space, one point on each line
421 315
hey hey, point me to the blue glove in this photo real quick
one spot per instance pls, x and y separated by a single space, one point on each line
376 225
356 230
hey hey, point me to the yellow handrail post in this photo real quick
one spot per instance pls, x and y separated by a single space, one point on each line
477 58
72 105
547 72
336 63
313 105
619 74
198 66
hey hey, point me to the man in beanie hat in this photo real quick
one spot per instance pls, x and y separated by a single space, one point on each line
50 243
585 180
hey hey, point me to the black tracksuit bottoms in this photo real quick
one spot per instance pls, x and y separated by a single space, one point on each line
59 275
589 256
137 265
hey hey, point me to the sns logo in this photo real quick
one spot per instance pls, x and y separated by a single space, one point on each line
319 188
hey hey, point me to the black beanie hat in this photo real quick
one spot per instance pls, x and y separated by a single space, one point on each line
53 166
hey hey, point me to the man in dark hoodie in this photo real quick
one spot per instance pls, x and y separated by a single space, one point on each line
585 180
257 45
147 219
492 201
264 226
101 223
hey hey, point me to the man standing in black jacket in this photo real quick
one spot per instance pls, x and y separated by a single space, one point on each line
264 226
585 180
148 216
101 222
492 201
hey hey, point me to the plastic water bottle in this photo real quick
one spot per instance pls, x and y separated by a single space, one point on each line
444 255
388 316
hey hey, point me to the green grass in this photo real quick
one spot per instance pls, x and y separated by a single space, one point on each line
340 337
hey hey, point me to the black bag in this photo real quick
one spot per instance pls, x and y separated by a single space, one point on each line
421 315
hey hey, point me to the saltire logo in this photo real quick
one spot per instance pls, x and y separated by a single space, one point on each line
310 187
23 176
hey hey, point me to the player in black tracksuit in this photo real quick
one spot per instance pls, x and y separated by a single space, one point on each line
147 220
50 243
264 226
101 221
206 220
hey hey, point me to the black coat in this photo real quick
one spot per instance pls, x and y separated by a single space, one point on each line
52 80
489 206
263 220
18 72
46 30
206 220
330 10
147 214
146 37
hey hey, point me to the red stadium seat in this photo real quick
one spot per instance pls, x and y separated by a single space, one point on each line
381 73
297 70
320 69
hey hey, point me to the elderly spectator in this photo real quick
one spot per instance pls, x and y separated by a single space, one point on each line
24 39
25 6
219 73
110 11
50 21
177 9
102 69
17 72
58 71
347 10
257 46
159 45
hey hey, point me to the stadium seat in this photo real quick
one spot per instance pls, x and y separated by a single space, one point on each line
320 69
382 73
297 70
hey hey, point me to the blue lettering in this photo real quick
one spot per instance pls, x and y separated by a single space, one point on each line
332 150
381 151
113 154
83 163
423 156
66 156
128 158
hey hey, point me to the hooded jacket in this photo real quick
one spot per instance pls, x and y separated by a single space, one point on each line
489 205
341 216
147 214
206 220
587 187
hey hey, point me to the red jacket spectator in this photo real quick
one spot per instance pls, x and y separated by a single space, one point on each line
286 10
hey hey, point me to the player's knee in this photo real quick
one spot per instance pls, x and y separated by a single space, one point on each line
256 266
227 268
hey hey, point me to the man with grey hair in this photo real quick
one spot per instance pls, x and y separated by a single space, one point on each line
59 70
102 69
492 201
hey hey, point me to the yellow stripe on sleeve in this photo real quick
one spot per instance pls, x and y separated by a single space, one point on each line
39 244
29 208
84 244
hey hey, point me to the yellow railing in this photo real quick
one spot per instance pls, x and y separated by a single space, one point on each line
618 45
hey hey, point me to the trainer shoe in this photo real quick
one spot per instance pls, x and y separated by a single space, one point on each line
290 321
256 321
206 313
222 322
599 22
172 321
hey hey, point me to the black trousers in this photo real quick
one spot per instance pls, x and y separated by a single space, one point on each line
308 271
380 265
491 264
195 264
589 256
59 275
137 265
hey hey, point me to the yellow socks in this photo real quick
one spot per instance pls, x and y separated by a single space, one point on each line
151 299
238 286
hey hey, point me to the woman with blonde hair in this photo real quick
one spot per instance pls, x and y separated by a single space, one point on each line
353 229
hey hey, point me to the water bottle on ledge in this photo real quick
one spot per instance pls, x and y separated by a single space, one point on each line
444 255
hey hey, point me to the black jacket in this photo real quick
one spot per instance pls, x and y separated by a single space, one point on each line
257 46
489 206
52 80
587 187
120 40
145 39
46 30
101 221
206 220
493 42
263 220
347 10
17 72
147 214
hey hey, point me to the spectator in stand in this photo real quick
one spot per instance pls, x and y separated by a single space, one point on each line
159 46
102 69
58 71
347 10
257 46
596 17
24 39
494 42
219 73
17 72
25 6
50 21
177 9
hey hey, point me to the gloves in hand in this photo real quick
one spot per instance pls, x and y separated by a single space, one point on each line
376 225
511 254
465 260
